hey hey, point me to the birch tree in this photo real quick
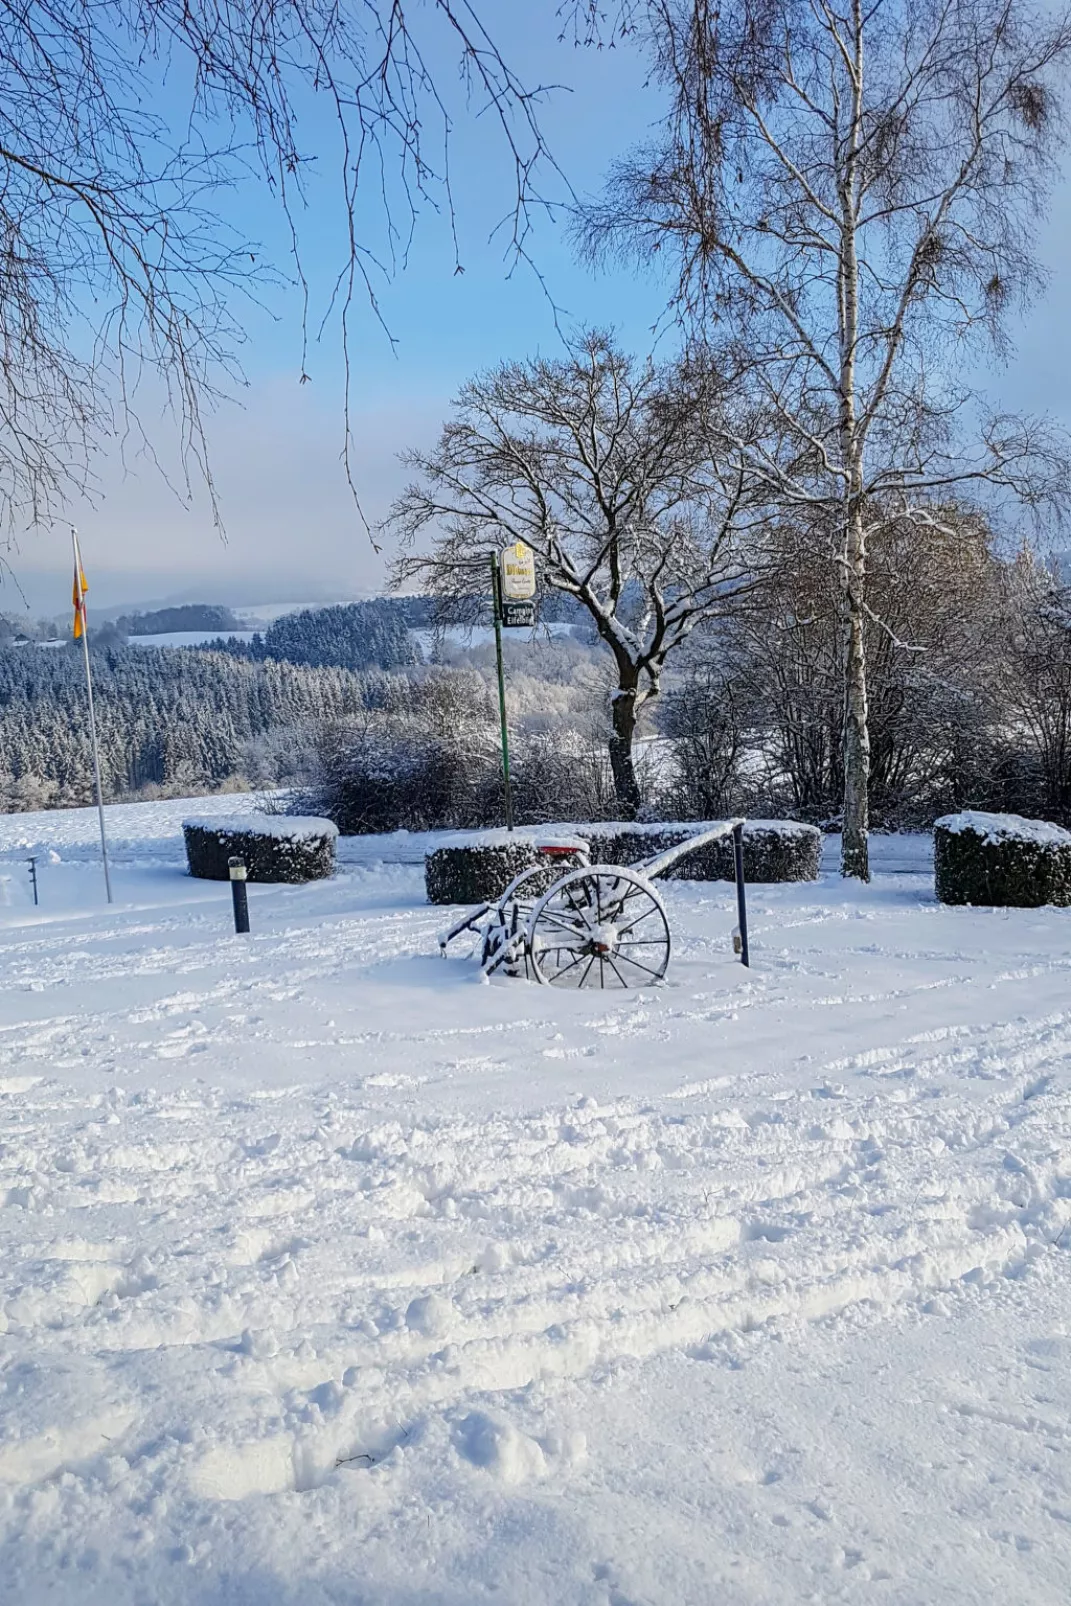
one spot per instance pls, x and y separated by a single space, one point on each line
602 465
847 192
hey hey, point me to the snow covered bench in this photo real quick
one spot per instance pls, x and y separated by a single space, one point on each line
273 847
1001 860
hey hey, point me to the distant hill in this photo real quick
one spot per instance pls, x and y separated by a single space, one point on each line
190 616
356 635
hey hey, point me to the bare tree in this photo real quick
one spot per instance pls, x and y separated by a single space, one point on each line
125 125
1035 684
937 656
603 466
849 193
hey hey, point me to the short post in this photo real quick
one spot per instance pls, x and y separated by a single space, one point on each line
239 894
741 899
33 880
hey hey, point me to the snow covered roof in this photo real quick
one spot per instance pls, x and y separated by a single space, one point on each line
1002 827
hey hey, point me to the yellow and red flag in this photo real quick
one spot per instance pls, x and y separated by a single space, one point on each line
78 598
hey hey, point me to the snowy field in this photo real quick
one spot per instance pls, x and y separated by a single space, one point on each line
333 1276
189 638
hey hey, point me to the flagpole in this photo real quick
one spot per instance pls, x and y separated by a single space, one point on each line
92 715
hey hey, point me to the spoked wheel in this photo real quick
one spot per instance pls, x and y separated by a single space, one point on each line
511 913
599 927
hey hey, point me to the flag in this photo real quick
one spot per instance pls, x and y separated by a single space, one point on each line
78 599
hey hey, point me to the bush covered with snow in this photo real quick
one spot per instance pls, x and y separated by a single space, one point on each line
1001 860
274 848
774 850
479 866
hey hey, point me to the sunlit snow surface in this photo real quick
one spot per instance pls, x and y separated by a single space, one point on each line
331 1275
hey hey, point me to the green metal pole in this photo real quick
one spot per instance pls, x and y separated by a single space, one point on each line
496 597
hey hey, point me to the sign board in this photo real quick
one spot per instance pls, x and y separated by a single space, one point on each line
517 568
518 615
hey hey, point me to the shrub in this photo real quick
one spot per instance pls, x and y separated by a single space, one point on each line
1001 860
478 867
774 850
421 757
377 781
274 848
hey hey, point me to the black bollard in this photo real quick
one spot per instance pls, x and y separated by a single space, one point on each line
240 896
741 897
33 880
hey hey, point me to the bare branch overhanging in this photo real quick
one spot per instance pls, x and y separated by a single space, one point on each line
118 267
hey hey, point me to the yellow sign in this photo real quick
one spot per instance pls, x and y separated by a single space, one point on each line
518 572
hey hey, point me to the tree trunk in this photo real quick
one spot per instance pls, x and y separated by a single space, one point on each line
626 787
855 856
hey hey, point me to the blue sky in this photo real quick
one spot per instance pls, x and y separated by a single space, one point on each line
292 532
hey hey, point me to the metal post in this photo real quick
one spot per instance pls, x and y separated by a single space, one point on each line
741 898
92 715
496 598
33 879
239 895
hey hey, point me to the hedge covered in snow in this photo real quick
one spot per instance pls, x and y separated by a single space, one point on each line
1001 860
774 850
478 866
274 847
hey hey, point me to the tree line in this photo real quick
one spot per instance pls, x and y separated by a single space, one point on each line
350 636
188 719
172 719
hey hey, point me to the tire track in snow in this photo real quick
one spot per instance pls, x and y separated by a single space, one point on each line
428 1262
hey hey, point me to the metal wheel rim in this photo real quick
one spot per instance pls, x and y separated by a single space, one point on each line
575 918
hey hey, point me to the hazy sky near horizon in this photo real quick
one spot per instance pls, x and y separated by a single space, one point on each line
292 532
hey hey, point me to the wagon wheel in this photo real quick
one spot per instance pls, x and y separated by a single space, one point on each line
505 921
599 927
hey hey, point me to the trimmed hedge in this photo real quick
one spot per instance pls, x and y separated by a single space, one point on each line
1001 860
274 848
479 866
774 850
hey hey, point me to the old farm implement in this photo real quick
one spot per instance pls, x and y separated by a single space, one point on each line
593 925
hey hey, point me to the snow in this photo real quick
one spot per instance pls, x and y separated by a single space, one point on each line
282 827
779 827
1001 827
189 638
138 833
331 1276
564 837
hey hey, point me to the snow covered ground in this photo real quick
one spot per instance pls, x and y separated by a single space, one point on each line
330 1275
189 638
